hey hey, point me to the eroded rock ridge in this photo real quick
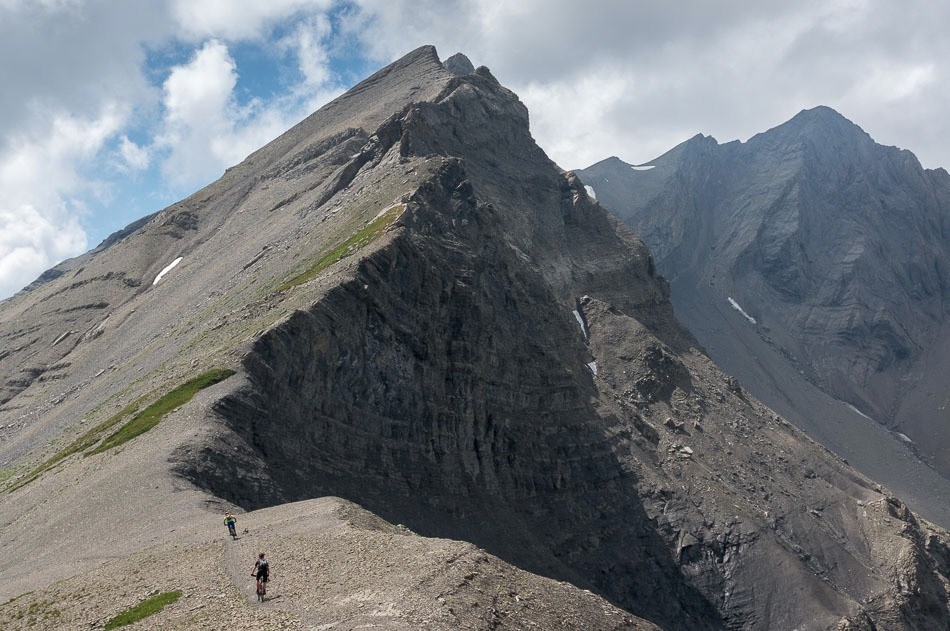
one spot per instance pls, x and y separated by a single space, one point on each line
431 319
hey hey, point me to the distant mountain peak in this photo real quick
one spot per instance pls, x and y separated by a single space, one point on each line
701 140
820 112
824 116
801 224
819 122
612 162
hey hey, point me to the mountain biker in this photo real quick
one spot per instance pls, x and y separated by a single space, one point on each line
230 522
261 569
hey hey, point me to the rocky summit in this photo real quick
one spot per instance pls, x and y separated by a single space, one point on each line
440 385
812 263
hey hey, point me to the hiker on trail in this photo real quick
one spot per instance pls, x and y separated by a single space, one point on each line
231 523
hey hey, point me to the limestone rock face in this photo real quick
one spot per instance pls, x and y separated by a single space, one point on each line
835 246
459 65
431 319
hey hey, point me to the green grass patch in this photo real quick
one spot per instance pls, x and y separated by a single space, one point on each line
16 598
150 416
366 235
82 443
7 473
141 422
43 609
144 609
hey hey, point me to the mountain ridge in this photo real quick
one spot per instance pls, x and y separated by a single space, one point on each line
831 241
425 314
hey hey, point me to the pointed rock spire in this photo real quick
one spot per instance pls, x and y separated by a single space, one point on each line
459 65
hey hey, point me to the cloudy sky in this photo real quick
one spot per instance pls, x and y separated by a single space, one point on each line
112 109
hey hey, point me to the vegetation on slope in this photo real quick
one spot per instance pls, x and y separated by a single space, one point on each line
39 612
140 423
150 416
143 610
366 235
82 443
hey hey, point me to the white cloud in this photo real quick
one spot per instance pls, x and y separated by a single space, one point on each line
31 242
46 5
41 189
310 44
585 103
206 130
889 82
133 156
727 69
307 44
40 170
199 116
200 90
237 19
73 56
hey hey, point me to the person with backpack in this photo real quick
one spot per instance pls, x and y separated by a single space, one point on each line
262 572
231 523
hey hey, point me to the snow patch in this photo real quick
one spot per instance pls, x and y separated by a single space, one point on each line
167 269
643 167
904 437
580 321
856 410
590 191
735 305
593 367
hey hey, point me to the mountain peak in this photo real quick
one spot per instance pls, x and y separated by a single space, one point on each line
823 116
806 221
611 162
424 52
821 122
459 65
416 76
820 112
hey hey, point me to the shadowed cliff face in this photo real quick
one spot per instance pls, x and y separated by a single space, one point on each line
506 369
837 246
446 384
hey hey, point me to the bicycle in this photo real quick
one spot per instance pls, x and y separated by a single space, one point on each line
231 523
261 586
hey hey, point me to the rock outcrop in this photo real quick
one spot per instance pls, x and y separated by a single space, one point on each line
430 319
459 65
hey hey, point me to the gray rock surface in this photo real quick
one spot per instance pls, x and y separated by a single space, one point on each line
430 319
459 65
835 245
333 565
